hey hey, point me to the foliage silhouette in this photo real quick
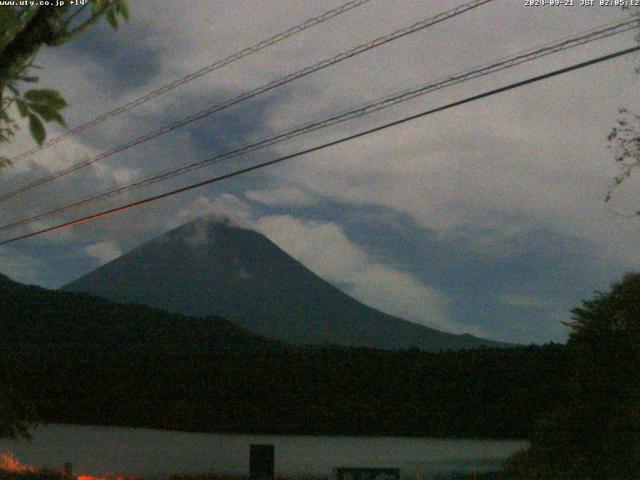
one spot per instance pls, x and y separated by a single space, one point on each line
595 431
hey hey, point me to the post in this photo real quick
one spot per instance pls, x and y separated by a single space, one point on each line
68 471
261 462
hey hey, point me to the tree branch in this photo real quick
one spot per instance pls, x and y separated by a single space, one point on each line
40 29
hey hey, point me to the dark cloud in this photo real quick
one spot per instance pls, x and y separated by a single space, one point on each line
126 57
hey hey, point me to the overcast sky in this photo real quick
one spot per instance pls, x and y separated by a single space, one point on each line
488 218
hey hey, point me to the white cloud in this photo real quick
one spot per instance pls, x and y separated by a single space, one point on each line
104 251
325 249
322 247
279 197
516 300
224 206
19 267
404 295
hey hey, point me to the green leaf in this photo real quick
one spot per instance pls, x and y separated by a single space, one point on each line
37 129
9 21
26 13
22 107
97 6
48 113
124 10
47 97
13 89
112 19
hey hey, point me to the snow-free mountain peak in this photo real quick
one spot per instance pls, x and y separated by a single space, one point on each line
211 266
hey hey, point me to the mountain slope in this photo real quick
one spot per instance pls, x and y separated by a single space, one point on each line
33 317
209 267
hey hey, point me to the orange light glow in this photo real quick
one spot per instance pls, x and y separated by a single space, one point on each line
85 476
10 464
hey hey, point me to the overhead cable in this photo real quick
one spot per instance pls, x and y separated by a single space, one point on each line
234 57
421 25
324 145
336 118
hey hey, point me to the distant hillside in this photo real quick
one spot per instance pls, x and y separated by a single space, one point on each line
209 267
33 317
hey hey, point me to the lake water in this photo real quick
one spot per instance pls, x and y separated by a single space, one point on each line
110 451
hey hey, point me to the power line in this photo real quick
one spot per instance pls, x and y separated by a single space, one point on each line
580 39
234 57
421 25
326 145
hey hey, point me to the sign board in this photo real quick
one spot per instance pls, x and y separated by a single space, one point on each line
261 462
349 473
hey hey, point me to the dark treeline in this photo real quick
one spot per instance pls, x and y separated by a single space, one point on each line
490 393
